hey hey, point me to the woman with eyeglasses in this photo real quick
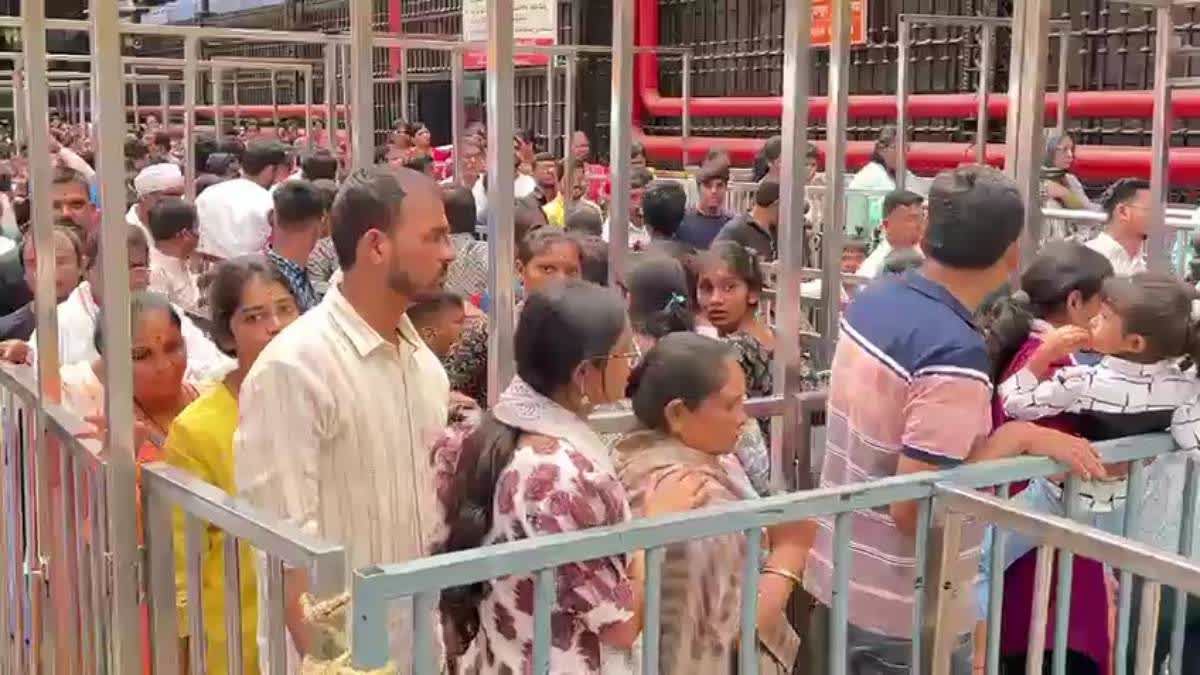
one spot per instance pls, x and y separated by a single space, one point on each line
534 467
251 303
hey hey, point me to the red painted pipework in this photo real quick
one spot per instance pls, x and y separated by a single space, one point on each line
1132 104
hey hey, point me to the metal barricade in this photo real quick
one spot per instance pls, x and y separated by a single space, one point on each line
376 587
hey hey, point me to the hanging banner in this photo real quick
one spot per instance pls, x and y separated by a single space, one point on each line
535 22
822 22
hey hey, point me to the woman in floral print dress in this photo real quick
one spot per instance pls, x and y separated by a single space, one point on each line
533 467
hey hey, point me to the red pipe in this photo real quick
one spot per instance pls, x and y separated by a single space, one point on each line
1099 163
1133 104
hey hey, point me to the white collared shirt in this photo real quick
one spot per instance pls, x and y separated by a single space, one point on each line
1124 265
77 316
233 218
355 418
171 277
133 218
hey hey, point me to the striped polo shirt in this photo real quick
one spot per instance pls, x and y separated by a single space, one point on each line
910 376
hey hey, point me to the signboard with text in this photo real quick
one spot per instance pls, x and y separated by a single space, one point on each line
535 22
822 22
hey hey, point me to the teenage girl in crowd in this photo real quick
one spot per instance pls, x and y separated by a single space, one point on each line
687 394
251 303
534 467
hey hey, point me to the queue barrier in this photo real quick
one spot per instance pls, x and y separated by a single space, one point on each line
374 588
56 605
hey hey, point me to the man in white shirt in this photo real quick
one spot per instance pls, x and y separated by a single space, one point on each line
233 214
903 228
172 225
153 183
352 396
1123 241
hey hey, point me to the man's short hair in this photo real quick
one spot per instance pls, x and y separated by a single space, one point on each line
232 145
261 155
663 207
319 164
65 175
585 219
328 190
460 209
1122 192
297 203
640 178
169 217
898 198
773 148
767 194
713 170
594 259
368 200
975 215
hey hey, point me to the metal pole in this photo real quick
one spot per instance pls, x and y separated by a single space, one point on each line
621 137
794 128
1064 56
406 113
310 88
834 229
549 105
20 113
218 75
901 106
330 53
274 99
458 111
237 110
40 549
362 110
118 368
1016 65
569 117
164 100
1159 242
501 177
686 121
191 52
987 47
1031 37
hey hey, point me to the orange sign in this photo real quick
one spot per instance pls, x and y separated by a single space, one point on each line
822 22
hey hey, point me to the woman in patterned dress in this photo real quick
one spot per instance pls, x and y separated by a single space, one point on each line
687 394
534 467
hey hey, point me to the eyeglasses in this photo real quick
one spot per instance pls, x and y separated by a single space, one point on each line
631 358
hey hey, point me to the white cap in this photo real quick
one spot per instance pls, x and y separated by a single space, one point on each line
158 178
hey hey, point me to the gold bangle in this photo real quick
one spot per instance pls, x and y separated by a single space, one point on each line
790 576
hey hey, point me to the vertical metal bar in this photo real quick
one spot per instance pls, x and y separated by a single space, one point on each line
330 52
549 104
99 546
1066 568
569 95
66 590
217 74
1158 242
310 87
39 542
924 521
1187 550
20 113
114 264
164 101
543 602
946 585
1136 486
9 576
233 604
194 549
834 229
686 121
135 97
839 613
424 659
1147 628
652 617
362 65
788 317
1064 61
996 591
987 55
458 111
31 591
501 175
902 57
1041 611
621 136
237 98
272 589
160 546
1034 34
274 75
191 52
406 113
1016 77
748 647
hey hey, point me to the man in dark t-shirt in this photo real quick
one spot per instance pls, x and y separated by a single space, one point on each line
701 224
755 229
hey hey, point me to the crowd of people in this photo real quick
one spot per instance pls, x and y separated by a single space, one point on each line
313 340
